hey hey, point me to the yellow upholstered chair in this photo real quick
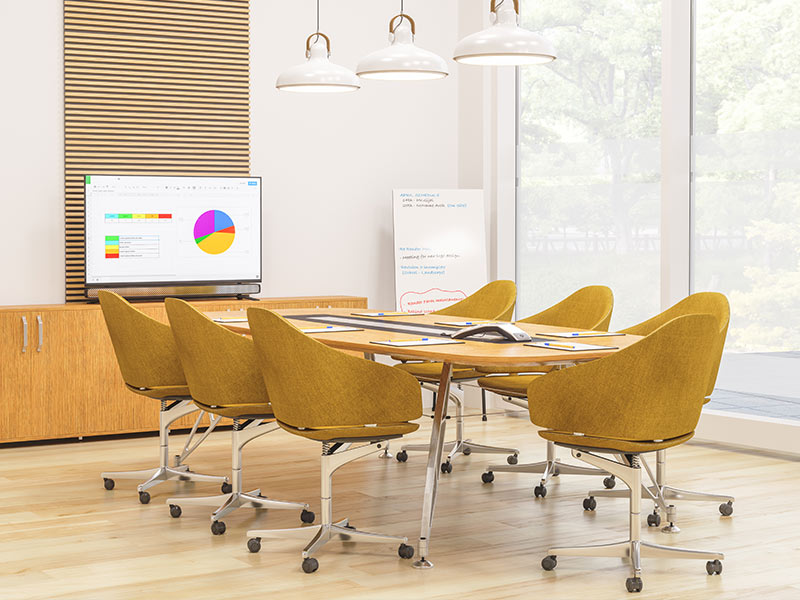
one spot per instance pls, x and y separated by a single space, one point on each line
149 363
644 398
225 380
588 309
495 301
715 304
334 399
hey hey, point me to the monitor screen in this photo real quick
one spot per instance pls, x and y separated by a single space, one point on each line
172 229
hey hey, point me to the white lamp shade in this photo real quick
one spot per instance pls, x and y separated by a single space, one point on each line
504 43
318 74
402 59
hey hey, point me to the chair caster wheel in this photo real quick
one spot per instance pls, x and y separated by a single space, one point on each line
174 511
556 472
466 451
589 503
405 551
108 483
540 491
447 467
512 460
218 527
254 545
310 565
487 477
401 456
226 488
144 497
653 519
725 509
344 536
714 567
633 584
549 563
610 482
307 516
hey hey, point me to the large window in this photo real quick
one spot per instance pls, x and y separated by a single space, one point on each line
589 195
746 160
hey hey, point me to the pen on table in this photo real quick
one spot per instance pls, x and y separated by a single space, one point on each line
552 345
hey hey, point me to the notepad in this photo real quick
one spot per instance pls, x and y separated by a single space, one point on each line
231 320
464 323
330 329
384 314
579 334
566 347
416 342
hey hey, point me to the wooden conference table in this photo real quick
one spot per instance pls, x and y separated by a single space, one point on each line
470 353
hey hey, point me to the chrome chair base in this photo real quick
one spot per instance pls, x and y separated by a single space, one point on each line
460 445
164 472
234 497
552 467
633 548
661 494
328 530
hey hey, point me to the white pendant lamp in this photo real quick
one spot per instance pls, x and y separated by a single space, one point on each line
318 74
402 60
504 42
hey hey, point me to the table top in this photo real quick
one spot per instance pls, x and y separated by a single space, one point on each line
472 353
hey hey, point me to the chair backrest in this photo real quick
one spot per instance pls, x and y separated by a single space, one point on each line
493 301
588 308
711 303
313 386
220 365
651 390
145 350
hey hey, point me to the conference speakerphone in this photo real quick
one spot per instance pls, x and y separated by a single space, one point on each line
173 236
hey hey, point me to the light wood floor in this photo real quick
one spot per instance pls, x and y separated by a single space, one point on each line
65 537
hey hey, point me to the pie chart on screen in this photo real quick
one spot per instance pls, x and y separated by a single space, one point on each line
214 232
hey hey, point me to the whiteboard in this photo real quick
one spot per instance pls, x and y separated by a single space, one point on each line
439 247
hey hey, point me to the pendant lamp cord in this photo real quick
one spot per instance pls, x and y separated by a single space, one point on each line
316 39
402 12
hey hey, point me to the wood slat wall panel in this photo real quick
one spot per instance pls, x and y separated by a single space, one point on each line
151 87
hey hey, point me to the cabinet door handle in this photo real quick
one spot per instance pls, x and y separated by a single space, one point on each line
24 335
41 333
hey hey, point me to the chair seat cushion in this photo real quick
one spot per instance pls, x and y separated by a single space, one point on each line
163 392
380 431
509 385
239 411
600 444
432 371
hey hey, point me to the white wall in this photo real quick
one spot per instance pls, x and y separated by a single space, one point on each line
329 162
31 152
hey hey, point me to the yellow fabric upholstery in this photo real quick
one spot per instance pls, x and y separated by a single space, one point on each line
599 443
220 365
432 371
587 309
710 303
652 390
144 347
494 301
515 385
314 387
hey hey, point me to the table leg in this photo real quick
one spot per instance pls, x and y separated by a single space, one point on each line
434 464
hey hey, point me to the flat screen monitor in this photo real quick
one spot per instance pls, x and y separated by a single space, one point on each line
164 230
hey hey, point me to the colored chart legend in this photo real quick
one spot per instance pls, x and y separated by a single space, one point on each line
137 217
112 246
133 246
214 232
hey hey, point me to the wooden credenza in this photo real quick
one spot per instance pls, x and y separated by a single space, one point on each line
63 381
